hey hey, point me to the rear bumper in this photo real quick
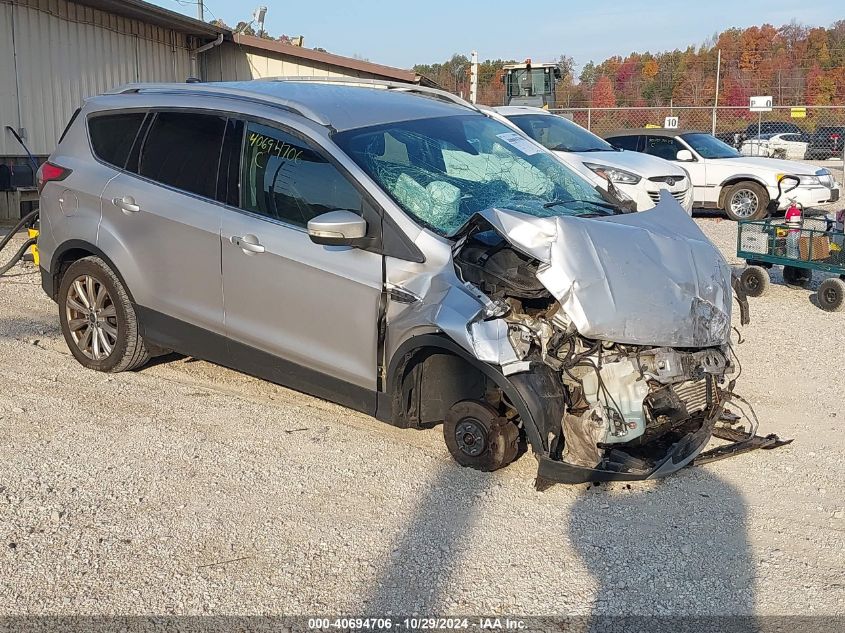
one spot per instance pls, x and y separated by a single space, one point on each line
679 455
47 283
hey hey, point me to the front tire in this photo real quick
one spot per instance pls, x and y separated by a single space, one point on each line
478 437
746 201
98 320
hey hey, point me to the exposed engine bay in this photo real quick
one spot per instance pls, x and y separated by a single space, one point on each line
627 404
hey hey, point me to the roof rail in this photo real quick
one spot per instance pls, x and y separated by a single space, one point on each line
381 83
212 90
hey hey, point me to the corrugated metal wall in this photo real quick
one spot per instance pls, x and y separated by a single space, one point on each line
67 52
233 62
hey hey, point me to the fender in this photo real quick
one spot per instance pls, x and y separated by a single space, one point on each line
537 407
50 279
735 178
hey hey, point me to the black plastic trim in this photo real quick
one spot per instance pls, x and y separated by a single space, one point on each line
419 343
678 456
185 338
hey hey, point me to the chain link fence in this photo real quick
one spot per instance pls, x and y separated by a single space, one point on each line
805 133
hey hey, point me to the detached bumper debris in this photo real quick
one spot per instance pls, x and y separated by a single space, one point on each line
741 441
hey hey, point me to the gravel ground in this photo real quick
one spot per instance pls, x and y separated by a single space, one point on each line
186 488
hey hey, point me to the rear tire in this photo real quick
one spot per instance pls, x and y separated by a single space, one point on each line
98 320
797 277
746 201
755 281
478 437
832 295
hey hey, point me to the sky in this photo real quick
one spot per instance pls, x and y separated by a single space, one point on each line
406 33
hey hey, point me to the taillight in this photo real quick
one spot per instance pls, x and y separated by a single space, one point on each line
834 137
50 172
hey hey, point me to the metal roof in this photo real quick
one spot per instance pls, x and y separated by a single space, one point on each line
349 63
153 14
342 105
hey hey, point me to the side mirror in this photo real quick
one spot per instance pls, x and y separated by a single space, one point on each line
337 228
685 156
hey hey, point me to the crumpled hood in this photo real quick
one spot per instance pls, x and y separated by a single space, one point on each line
647 278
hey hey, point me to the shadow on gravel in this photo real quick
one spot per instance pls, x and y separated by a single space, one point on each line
29 328
679 549
430 548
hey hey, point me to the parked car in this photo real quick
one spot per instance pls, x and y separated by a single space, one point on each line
826 142
392 249
772 127
724 179
734 139
639 176
789 145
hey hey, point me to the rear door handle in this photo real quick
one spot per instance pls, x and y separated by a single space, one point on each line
249 244
126 204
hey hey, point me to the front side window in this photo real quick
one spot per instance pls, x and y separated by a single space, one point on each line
443 170
182 150
663 147
709 146
558 134
112 136
286 179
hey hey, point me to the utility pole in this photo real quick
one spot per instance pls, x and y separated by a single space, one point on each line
716 100
200 11
473 77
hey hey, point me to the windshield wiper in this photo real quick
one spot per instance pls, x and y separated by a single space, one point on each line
555 203
599 149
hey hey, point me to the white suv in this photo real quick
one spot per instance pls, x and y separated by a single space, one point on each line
723 178
636 176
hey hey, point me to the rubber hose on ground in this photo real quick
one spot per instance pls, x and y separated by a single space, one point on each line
25 221
17 256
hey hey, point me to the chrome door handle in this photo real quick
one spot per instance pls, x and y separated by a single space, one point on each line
248 244
126 204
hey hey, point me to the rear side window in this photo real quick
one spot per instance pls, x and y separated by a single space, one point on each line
625 142
112 136
182 150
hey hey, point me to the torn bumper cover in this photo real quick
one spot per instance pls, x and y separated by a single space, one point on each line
620 466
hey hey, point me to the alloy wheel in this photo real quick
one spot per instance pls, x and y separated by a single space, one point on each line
91 317
744 203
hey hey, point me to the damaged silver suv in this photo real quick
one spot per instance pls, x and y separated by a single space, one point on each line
392 249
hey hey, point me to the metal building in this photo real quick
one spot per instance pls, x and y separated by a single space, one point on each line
55 53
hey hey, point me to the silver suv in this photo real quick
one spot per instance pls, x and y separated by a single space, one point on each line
395 250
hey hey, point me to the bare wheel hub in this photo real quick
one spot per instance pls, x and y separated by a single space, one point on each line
471 437
91 317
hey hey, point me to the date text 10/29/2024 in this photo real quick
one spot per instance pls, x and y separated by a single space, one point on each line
416 624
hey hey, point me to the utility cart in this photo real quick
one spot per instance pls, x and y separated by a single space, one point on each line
801 245
818 244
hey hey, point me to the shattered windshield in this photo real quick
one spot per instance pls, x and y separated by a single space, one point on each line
443 170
